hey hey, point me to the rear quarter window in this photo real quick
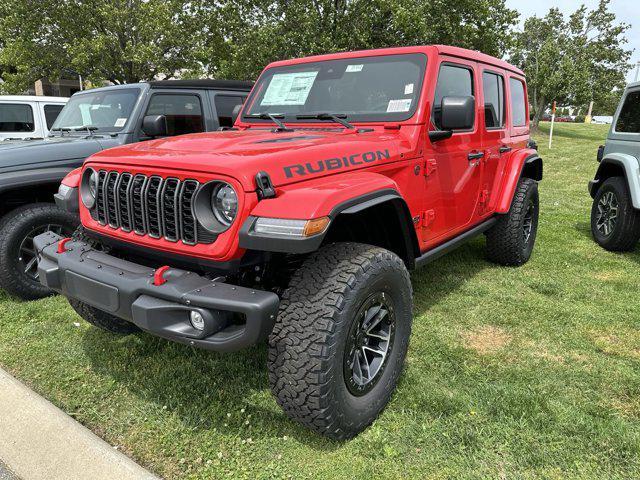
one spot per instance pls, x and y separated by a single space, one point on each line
16 117
629 118
518 103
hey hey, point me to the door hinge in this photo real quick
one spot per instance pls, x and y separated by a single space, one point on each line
430 166
428 217
484 198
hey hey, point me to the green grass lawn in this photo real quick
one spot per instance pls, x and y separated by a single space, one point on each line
511 373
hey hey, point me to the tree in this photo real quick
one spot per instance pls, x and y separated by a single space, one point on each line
573 61
122 41
261 31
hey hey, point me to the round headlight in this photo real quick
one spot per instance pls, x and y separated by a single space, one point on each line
93 183
89 188
224 202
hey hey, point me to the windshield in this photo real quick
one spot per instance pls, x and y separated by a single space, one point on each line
381 88
106 111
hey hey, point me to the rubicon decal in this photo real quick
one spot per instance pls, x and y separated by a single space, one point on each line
335 163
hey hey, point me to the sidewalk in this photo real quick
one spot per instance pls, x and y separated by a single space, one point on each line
39 441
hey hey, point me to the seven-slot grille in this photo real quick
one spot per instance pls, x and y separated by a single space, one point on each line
149 205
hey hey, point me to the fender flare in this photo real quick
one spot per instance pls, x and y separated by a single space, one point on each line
514 170
367 190
22 178
631 168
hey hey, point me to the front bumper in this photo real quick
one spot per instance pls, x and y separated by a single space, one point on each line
235 317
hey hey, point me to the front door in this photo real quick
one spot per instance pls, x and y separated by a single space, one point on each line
453 192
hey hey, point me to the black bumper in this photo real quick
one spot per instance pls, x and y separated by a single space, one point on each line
126 290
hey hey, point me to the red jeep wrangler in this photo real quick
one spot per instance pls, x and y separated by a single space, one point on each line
301 223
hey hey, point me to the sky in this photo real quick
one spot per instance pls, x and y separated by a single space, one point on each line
625 10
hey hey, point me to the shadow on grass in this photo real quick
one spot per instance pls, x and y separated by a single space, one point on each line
447 274
202 387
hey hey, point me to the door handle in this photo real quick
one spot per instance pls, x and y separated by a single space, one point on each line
475 155
504 149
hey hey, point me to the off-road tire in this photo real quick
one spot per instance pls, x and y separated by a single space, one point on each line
307 346
14 228
506 244
626 231
94 316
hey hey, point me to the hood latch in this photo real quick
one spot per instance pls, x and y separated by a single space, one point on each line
264 186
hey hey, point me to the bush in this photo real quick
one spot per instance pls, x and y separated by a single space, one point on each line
579 119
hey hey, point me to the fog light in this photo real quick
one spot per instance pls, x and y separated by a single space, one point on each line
196 320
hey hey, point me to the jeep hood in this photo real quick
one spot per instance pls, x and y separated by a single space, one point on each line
16 155
286 156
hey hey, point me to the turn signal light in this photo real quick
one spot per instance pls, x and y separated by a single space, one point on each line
315 226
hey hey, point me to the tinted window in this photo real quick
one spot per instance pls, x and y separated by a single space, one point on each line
15 117
518 103
224 107
379 88
51 112
629 119
452 82
493 88
183 112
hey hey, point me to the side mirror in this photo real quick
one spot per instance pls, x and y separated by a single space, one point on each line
458 113
234 113
154 125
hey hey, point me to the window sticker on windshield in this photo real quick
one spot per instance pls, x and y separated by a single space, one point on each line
408 89
401 105
120 122
353 68
289 88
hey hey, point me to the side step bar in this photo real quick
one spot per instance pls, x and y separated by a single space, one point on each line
455 242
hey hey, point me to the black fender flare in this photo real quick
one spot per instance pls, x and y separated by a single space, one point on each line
251 241
27 178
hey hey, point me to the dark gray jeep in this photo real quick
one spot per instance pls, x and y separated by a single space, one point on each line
93 120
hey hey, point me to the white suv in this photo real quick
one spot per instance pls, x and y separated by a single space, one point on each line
24 117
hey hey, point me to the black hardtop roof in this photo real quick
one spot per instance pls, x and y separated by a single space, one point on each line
238 85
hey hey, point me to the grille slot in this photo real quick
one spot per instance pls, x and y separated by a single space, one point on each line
188 227
110 199
169 201
152 197
154 206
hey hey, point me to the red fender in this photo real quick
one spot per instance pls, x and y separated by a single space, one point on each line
317 198
73 178
511 177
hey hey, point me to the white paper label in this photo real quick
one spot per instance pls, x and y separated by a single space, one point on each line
354 68
289 88
408 89
401 105
120 122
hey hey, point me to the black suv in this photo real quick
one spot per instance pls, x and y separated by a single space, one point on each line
93 120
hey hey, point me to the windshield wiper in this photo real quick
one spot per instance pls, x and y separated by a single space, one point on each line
274 117
89 128
61 130
336 117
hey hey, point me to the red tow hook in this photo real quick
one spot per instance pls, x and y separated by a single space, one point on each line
158 276
62 245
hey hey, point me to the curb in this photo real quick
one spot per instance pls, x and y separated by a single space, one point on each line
39 441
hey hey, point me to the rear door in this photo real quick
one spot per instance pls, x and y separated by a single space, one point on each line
496 137
457 159
50 112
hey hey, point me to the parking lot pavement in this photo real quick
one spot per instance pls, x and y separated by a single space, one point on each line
38 441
